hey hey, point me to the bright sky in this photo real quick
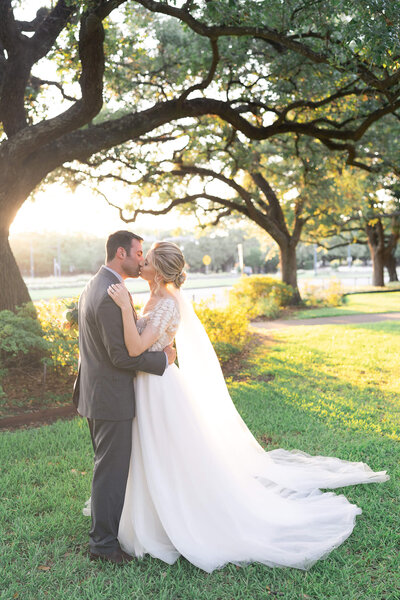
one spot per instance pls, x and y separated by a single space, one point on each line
57 209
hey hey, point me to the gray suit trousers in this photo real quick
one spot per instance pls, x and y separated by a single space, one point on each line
112 443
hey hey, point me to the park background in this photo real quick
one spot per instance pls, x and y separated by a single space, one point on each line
262 137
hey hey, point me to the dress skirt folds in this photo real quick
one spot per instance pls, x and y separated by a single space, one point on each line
201 486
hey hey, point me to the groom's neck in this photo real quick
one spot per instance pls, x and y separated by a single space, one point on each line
116 266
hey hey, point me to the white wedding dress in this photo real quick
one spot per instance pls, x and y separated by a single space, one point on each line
201 486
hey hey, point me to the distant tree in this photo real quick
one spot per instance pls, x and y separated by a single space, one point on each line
369 210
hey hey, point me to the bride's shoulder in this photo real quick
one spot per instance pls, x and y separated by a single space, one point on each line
165 304
169 302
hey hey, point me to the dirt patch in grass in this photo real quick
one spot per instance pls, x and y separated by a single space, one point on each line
234 367
41 417
238 368
31 389
33 396
266 440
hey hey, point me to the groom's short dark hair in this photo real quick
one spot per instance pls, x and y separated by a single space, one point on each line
120 239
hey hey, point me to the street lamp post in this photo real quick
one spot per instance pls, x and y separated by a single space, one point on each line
315 259
240 254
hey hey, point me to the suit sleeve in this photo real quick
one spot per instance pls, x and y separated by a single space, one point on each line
109 323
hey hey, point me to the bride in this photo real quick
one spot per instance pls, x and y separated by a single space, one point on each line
199 484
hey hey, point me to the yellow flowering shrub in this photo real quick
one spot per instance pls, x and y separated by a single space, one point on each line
315 295
226 327
260 295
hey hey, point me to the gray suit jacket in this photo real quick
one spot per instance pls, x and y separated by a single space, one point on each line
104 387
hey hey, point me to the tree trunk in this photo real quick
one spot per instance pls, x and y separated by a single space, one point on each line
378 264
288 262
13 291
376 245
390 264
390 250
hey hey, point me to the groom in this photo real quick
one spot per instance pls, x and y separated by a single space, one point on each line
104 391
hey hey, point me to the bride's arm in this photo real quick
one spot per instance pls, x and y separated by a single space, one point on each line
135 342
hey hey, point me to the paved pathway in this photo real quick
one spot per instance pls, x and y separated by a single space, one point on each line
340 320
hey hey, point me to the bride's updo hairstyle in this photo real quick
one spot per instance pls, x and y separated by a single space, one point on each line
169 262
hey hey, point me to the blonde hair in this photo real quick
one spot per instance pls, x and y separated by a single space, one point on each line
169 262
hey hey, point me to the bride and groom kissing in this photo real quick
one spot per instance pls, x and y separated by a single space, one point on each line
176 470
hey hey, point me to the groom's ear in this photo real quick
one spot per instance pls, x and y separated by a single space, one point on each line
121 252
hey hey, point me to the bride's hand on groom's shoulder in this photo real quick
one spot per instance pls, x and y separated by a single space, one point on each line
119 293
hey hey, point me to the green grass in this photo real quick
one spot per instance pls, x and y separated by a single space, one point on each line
379 302
329 390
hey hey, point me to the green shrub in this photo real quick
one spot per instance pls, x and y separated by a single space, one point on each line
59 323
226 327
268 308
314 295
260 295
3 372
21 338
71 314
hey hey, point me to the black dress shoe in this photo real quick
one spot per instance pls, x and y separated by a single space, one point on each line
118 557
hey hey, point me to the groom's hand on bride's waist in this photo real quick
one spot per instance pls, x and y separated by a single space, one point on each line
170 353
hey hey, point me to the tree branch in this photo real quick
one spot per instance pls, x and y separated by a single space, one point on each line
33 25
37 83
177 202
272 36
49 29
275 210
80 145
91 82
9 37
206 82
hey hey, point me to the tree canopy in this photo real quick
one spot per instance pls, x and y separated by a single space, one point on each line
124 70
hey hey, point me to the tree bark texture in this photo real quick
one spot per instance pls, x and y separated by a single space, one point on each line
382 249
390 249
378 261
288 262
13 291
390 264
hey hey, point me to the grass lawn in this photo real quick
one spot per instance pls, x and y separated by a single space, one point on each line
56 289
329 390
378 302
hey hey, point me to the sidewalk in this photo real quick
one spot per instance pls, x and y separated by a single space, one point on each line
340 320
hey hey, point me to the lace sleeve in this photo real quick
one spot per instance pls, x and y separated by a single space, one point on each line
164 320
162 315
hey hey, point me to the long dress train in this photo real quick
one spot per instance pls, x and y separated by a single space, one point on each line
201 486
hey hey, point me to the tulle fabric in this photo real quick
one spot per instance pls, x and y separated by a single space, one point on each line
201 486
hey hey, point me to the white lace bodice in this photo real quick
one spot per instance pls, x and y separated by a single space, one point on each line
165 318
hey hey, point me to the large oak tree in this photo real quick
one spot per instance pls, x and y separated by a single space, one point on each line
326 70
